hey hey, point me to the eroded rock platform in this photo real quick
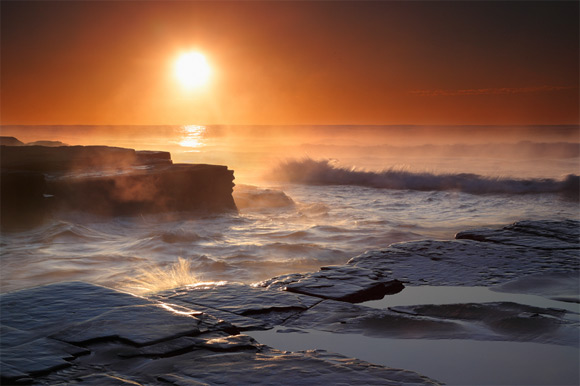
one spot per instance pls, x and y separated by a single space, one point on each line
69 333
75 332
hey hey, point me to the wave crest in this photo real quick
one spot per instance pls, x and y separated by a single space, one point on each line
323 172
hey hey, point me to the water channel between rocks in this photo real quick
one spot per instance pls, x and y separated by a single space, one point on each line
453 361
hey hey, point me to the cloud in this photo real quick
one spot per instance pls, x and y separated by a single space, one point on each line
491 91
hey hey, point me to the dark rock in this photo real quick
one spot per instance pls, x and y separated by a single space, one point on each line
177 380
258 307
79 312
167 348
345 283
47 143
566 230
465 262
234 323
268 367
172 188
122 339
10 141
498 321
280 282
342 317
65 159
176 337
55 157
231 343
38 325
251 197
150 157
106 181
38 356
49 309
557 286
11 337
393 287
9 375
507 321
533 234
101 380
22 201
485 257
207 322
155 325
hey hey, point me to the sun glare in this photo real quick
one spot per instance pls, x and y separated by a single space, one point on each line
192 136
192 69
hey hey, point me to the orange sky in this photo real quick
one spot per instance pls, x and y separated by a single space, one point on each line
273 62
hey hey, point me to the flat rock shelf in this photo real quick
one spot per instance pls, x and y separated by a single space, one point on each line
201 334
39 181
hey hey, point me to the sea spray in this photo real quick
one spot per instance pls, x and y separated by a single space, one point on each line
324 172
324 216
156 278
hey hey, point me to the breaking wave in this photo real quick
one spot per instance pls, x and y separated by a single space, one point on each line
323 172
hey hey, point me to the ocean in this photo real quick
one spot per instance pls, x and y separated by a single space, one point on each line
307 196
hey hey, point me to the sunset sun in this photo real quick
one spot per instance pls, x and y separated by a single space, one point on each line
192 69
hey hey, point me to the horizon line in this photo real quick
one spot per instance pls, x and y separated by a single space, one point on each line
298 124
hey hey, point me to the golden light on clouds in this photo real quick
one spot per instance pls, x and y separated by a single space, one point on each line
192 70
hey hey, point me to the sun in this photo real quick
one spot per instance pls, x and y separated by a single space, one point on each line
192 69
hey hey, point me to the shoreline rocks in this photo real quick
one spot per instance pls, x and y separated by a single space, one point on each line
158 189
38 181
75 332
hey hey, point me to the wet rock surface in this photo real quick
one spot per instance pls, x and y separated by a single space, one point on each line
495 321
545 235
247 307
563 287
483 257
70 333
469 262
79 333
247 196
345 283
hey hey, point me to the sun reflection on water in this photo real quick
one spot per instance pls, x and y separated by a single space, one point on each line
192 136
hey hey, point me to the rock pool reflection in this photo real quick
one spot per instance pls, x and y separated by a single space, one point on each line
455 294
452 361
455 362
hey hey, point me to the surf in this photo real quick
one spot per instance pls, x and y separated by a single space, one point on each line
309 171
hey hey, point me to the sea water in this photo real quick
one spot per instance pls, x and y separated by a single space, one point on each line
349 189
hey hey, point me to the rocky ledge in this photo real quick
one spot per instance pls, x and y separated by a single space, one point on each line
38 181
69 333
75 332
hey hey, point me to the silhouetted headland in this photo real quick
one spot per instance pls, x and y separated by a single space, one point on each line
103 180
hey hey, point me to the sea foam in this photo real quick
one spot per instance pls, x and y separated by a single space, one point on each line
323 172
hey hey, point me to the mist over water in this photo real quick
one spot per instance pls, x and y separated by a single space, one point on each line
252 151
312 172
307 197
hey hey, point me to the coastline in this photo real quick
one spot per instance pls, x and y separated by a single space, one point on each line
78 332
